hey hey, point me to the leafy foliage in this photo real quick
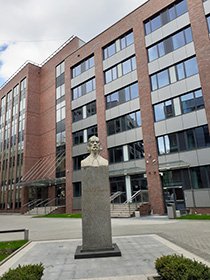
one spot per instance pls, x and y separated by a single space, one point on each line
26 272
174 267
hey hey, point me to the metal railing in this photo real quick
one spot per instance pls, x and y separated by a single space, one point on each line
115 195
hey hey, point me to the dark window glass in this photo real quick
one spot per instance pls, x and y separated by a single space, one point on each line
116 154
91 109
190 139
169 109
77 189
182 141
136 150
161 49
206 135
77 161
92 131
78 137
111 127
77 114
187 103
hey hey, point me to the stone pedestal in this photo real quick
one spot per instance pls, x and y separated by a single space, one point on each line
96 220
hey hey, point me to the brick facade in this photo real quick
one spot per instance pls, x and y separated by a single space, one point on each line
40 124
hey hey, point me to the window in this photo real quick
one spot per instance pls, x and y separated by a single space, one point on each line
77 189
82 66
92 131
170 44
183 69
122 95
122 43
83 89
184 140
187 68
78 137
125 66
136 150
127 122
115 154
77 161
184 104
167 15
91 109
77 114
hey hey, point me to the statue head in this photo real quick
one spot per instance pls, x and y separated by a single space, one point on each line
94 145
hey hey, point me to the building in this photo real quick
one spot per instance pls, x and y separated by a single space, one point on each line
142 86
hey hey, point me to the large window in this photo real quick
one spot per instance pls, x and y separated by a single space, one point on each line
84 111
116 154
119 70
189 139
122 95
77 161
184 69
119 44
136 150
123 123
82 66
83 89
170 44
80 136
165 16
183 104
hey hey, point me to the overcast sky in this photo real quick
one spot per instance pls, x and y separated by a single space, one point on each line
33 29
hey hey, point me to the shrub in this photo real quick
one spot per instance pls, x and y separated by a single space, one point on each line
174 267
25 272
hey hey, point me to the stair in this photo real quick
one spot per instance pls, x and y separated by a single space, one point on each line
122 210
41 210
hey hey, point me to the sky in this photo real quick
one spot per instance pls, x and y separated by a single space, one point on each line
31 30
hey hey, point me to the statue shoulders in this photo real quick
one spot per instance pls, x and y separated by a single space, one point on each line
94 161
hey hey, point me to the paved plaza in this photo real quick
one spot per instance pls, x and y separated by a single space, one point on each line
141 241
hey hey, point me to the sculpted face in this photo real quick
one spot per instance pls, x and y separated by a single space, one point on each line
94 144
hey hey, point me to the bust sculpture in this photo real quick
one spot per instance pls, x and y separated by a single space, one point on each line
94 159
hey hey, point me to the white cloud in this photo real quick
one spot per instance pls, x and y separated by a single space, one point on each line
36 28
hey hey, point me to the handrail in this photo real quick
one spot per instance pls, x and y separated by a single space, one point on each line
115 195
30 203
133 197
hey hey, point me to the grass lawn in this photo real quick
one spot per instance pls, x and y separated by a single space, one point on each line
195 217
76 215
8 247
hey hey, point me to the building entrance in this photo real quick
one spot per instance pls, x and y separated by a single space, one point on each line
174 194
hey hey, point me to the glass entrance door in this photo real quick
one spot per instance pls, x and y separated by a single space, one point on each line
174 194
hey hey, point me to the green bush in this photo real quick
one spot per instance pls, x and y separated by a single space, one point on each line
25 272
174 267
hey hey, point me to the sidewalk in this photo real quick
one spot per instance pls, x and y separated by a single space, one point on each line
137 262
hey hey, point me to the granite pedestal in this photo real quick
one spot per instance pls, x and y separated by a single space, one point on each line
96 220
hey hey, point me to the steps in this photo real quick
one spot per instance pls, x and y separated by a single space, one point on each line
41 210
122 210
